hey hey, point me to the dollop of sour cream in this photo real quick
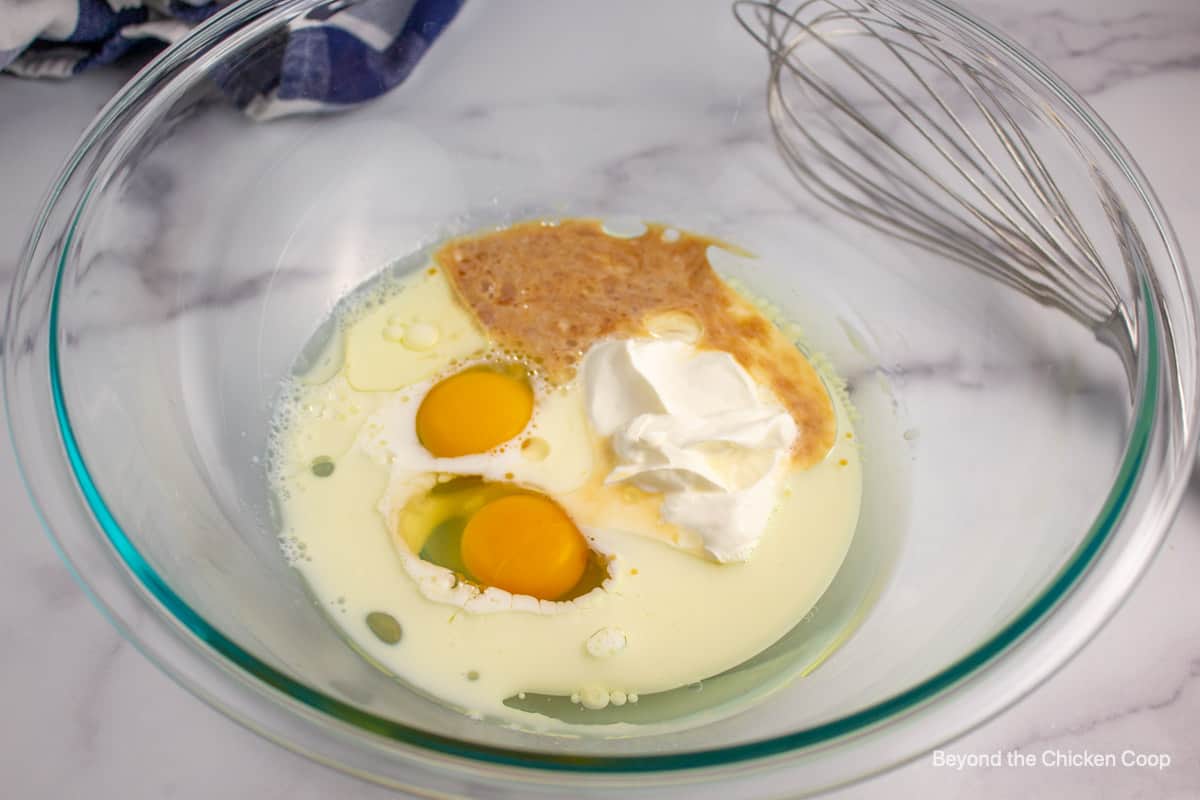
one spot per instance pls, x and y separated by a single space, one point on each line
694 426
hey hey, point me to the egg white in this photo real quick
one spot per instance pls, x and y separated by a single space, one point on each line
389 438
389 435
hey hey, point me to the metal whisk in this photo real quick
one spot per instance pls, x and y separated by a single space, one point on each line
910 132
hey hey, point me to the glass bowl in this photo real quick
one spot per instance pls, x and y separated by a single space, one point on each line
1020 471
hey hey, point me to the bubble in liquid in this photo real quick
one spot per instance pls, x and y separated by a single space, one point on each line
624 227
606 642
594 698
535 448
675 325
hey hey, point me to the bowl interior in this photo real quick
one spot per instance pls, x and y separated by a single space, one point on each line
209 248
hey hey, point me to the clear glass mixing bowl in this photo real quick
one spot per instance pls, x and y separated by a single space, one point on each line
1020 472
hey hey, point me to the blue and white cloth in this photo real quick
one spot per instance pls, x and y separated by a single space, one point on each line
330 59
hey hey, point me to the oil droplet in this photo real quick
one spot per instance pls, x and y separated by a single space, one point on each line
473 675
385 627
421 336
322 466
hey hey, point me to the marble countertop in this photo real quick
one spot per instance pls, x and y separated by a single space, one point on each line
84 715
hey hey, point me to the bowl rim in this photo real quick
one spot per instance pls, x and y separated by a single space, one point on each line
1153 390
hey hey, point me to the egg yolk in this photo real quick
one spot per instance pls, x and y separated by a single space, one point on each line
525 544
473 412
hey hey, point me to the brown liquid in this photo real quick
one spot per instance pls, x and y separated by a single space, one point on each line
551 291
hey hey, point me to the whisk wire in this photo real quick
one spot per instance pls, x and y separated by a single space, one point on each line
900 156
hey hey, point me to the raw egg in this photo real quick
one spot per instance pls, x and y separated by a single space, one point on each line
474 411
525 544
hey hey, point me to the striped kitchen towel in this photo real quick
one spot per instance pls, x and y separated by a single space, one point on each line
337 55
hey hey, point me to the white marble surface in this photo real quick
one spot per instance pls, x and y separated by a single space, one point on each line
83 715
